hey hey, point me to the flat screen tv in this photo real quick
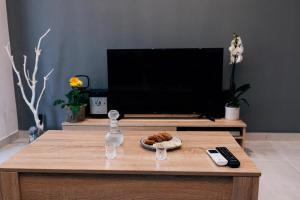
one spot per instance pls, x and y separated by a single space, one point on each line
166 81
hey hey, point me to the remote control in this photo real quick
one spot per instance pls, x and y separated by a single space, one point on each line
217 157
233 162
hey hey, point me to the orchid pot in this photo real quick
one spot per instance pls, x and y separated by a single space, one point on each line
232 113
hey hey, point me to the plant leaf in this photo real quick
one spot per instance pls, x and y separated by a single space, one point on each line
244 87
58 102
244 101
241 90
75 109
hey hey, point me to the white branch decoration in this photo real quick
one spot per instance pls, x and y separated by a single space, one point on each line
31 81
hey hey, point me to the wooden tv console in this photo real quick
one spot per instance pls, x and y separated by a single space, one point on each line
237 128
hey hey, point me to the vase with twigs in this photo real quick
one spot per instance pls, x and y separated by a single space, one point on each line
31 80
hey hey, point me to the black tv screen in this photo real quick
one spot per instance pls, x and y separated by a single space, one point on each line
165 81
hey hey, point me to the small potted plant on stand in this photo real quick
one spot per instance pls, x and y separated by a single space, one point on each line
235 99
77 101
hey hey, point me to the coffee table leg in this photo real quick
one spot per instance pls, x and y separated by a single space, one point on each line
245 188
9 186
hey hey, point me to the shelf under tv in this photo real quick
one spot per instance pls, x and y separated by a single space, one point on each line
237 128
161 116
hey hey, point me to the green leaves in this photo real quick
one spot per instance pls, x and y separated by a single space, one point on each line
241 90
235 99
58 102
77 97
74 109
243 100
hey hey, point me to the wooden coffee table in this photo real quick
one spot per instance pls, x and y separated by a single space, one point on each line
71 165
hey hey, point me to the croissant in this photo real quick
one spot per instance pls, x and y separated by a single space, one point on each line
160 137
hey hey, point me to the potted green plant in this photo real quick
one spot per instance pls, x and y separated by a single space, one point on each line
235 99
77 101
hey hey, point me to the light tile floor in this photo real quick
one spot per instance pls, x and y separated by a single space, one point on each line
10 149
277 155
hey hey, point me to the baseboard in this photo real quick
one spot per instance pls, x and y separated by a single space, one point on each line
23 134
9 138
15 135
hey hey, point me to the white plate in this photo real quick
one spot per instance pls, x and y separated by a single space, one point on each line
176 143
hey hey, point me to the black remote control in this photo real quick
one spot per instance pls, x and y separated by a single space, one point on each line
233 162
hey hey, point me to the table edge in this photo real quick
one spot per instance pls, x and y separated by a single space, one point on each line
124 172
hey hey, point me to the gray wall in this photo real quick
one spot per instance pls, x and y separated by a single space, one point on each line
82 30
8 115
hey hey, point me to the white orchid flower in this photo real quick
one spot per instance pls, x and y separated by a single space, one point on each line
236 50
239 59
232 59
231 48
239 41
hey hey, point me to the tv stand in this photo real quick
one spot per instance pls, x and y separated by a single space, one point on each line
237 128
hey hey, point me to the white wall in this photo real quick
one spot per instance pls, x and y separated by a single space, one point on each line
8 113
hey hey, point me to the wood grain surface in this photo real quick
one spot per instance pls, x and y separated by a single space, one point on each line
245 188
83 152
126 187
9 186
161 123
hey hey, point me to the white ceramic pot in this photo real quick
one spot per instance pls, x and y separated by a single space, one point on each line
232 113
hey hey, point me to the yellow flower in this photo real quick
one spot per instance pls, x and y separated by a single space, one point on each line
75 82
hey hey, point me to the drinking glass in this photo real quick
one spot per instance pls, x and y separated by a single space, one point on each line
110 150
161 152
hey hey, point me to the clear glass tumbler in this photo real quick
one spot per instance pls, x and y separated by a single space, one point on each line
110 150
161 152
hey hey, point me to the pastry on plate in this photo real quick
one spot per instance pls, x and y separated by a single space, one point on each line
149 142
159 137
163 139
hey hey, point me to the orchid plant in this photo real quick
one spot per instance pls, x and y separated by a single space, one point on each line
236 50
